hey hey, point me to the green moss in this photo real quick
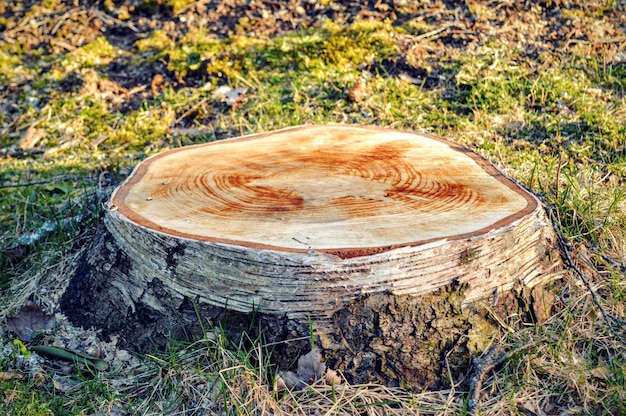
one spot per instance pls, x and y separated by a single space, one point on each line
480 333
333 45
329 48
417 27
174 6
95 53
141 128
9 66
157 41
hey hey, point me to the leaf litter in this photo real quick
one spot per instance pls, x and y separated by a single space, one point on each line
439 33
30 322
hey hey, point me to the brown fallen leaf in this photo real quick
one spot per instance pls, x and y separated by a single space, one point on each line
158 83
63 384
9 375
543 300
311 369
602 373
30 138
286 381
331 377
358 91
30 321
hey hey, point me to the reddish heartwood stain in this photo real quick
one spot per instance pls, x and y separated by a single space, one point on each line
306 178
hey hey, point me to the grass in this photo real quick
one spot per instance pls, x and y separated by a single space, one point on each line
552 117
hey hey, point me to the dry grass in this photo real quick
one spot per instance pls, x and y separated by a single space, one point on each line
574 363
538 88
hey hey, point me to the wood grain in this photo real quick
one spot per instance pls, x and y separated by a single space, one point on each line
383 244
344 190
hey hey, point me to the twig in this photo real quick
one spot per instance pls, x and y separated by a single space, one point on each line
28 23
62 44
62 178
191 132
482 366
76 11
110 20
611 320
433 33
596 42
190 110
59 19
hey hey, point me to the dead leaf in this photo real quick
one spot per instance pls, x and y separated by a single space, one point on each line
602 373
543 300
310 370
39 377
158 83
63 384
230 96
10 375
310 367
408 78
286 381
30 138
30 321
358 91
331 377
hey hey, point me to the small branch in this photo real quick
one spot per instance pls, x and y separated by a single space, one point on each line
61 43
482 366
611 320
24 243
62 178
190 110
111 21
190 132
433 33
596 42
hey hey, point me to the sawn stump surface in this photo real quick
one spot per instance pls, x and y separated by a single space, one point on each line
384 245
338 189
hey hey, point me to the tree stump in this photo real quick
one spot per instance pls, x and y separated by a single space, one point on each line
380 243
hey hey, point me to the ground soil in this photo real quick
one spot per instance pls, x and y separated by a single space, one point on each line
532 27
42 32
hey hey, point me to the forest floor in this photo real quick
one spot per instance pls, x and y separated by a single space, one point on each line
90 88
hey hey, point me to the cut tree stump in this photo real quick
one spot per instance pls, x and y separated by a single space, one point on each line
382 244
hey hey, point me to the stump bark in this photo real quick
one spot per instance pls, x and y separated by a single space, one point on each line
380 243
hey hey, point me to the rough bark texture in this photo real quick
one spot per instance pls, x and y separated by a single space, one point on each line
392 313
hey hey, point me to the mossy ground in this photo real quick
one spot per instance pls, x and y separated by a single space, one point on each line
538 88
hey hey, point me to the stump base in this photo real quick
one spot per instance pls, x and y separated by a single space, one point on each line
377 337
380 243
